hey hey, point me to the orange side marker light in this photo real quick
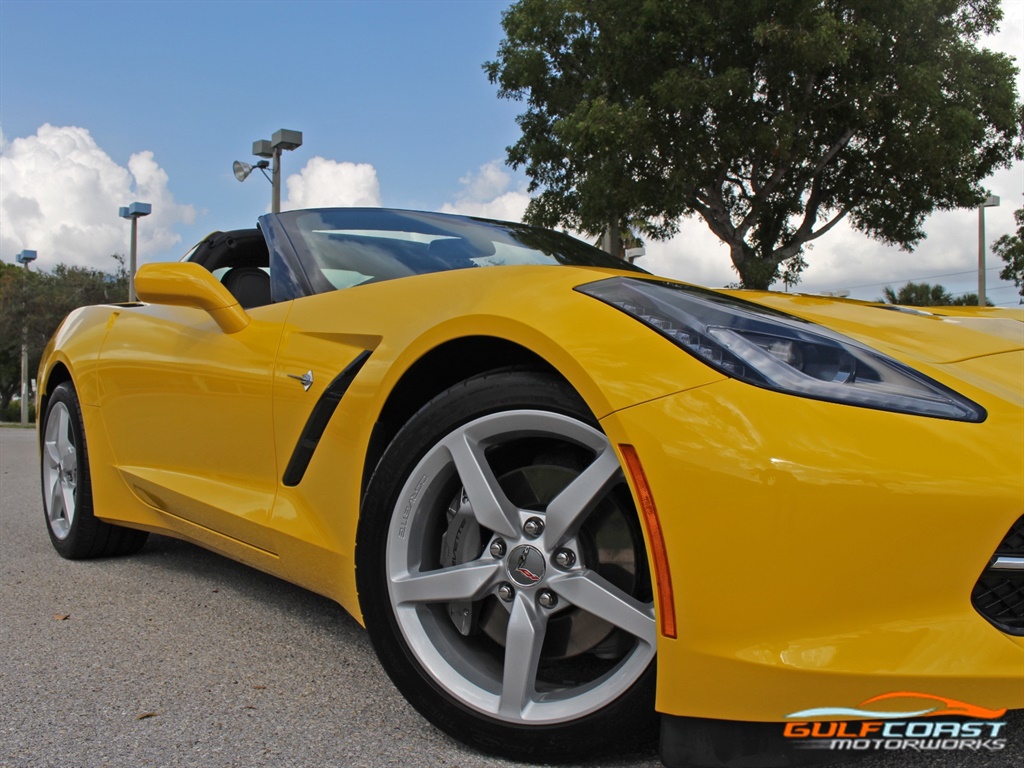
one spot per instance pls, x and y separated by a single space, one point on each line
662 576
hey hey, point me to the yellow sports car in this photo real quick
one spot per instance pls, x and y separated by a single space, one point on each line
562 494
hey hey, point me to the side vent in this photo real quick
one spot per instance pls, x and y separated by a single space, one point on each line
319 417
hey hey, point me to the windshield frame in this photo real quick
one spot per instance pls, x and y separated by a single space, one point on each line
289 236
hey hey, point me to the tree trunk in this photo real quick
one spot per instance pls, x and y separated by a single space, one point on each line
755 273
612 241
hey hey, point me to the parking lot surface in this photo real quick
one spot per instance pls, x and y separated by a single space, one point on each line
179 657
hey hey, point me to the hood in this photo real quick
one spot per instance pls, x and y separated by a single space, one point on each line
932 335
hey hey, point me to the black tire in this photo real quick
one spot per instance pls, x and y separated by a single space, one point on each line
67 488
561 670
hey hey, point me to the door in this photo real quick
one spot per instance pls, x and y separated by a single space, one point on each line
188 409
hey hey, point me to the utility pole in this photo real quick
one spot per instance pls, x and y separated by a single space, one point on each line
26 258
135 211
991 202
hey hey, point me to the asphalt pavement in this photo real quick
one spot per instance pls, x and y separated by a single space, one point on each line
179 657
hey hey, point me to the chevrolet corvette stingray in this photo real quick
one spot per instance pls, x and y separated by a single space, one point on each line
570 501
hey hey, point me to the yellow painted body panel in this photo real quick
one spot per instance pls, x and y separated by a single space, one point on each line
842 568
317 520
821 554
191 418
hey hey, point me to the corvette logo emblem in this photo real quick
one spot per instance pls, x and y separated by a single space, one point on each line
521 567
526 566
306 379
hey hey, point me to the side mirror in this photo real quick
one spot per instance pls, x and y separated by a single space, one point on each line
184 284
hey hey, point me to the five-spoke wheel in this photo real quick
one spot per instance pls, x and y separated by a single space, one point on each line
67 488
503 573
60 470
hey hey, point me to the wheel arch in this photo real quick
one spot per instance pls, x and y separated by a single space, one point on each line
57 375
443 366
72 353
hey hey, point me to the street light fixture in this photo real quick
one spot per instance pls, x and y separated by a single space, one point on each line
26 258
242 170
991 202
135 211
270 148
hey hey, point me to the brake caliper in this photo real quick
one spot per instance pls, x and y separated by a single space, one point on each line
461 544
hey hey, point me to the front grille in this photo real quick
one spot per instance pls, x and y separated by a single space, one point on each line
999 593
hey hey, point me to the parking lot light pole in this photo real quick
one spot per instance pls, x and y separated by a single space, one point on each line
271 149
26 258
135 211
991 202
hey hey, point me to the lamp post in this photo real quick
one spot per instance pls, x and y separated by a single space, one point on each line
270 148
991 202
26 258
135 211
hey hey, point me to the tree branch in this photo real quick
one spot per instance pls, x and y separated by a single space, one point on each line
835 220
796 243
715 216
834 150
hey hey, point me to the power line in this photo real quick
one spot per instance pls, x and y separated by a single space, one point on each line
917 279
988 290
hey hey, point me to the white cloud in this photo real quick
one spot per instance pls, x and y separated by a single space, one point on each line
1010 36
489 182
324 183
694 255
60 193
486 193
845 259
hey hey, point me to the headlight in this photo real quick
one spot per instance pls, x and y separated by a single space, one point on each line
777 351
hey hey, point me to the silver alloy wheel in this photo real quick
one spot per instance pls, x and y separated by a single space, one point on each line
508 681
60 470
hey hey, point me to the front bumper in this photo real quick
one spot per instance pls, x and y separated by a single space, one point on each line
824 554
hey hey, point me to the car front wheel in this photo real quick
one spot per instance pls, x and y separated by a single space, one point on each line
503 575
67 489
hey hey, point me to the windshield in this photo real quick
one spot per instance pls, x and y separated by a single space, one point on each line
345 247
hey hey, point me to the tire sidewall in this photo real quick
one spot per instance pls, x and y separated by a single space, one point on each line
74 544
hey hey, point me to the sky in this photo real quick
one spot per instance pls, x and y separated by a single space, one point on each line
107 103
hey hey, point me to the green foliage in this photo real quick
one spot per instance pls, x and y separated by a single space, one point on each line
927 295
772 121
12 412
1010 248
34 303
969 300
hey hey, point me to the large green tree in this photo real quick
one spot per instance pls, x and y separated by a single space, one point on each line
33 303
773 120
1010 248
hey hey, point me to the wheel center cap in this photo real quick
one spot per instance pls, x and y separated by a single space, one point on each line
525 565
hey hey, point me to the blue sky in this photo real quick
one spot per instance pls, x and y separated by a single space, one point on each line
103 103
396 84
